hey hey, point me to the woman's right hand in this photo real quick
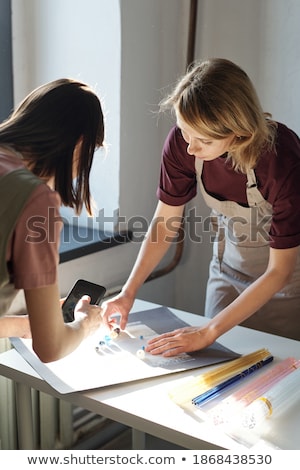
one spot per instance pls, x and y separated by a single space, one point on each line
120 305
89 315
52 339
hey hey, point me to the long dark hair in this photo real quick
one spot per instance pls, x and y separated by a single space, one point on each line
45 129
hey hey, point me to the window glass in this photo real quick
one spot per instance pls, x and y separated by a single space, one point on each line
77 39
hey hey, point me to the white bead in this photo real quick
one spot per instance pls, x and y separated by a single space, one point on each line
140 354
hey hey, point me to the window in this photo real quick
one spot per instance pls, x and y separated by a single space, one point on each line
81 40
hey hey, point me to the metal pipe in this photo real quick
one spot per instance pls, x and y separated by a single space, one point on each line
192 32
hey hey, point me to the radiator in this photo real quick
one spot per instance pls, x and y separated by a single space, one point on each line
8 430
57 423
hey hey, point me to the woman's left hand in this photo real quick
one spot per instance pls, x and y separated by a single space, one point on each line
15 326
26 331
183 340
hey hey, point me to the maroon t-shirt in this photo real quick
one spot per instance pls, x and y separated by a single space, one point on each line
277 174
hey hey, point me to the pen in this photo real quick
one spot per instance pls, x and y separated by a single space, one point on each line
237 401
213 392
204 382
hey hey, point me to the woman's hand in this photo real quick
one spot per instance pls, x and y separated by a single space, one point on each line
52 339
90 315
25 326
120 305
183 340
15 326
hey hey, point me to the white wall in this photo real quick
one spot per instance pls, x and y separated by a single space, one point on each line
279 60
263 37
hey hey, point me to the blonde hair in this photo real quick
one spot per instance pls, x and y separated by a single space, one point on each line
217 99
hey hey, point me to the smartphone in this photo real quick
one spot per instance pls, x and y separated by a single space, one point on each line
80 288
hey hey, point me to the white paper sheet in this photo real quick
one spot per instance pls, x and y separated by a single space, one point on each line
93 365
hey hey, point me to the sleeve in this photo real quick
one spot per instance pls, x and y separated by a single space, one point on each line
36 239
285 228
178 182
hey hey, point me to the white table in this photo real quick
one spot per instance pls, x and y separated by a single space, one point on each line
145 405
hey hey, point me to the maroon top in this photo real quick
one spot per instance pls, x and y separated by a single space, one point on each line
277 174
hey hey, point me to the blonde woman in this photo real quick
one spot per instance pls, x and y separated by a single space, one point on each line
248 170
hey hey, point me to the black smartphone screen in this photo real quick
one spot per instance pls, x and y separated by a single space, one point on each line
80 288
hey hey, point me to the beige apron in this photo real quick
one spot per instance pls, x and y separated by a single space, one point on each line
15 189
240 256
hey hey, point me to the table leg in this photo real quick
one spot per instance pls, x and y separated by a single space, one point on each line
138 440
24 417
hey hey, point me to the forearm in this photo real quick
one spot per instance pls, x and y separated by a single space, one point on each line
251 300
64 339
152 251
14 326
280 269
67 339
53 339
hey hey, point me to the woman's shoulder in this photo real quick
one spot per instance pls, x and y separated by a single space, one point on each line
9 161
285 153
43 196
175 151
278 170
174 140
286 137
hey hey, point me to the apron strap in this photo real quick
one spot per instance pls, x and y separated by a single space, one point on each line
254 196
